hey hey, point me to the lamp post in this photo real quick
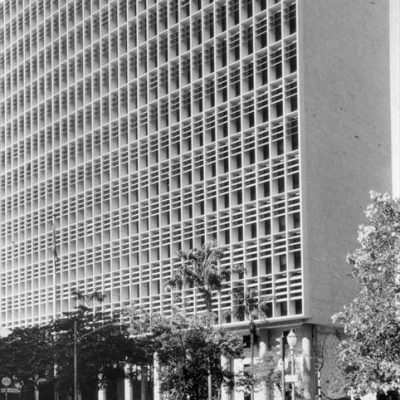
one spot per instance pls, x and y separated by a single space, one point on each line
281 341
292 340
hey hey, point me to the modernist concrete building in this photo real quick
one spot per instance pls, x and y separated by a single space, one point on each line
130 129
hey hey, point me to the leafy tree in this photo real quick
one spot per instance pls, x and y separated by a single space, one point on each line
26 356
46 352
268 370
265 370
188 350
370 354
104 346
200 268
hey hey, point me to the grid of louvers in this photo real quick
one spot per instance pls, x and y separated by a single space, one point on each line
131 129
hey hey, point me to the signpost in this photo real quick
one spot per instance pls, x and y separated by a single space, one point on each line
6 381
9 390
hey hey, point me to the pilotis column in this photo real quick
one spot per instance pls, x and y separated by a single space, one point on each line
225 363
156 379
128 392
261 392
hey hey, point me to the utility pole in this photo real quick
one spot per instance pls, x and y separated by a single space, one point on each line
75 361
252 337
282 354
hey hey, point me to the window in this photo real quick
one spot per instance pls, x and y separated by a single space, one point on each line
276 26
291 18
281 224
234 11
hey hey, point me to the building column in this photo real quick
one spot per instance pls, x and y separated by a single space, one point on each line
102 394
55 387
306 344
226 364
261 392
128 392
143 382
156 379
237 369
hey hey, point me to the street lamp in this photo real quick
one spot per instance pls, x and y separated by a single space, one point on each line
292 340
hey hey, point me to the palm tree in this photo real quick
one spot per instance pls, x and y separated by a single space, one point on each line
200 268
251 309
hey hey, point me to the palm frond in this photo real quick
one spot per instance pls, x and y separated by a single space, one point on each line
176 282
77 294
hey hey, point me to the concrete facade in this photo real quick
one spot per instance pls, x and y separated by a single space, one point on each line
345 137
133 129
130 130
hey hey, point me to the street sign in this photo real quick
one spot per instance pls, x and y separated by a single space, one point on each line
6 381
10 390
291 378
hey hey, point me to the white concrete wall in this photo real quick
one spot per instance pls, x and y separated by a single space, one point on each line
395 91
344 138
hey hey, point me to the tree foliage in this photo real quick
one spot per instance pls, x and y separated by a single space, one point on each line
189 350
370 355
250 308
104 347
200 268
265 370
268 370
26 356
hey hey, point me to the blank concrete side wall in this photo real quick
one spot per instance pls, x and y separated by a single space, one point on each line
345 137
395 91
